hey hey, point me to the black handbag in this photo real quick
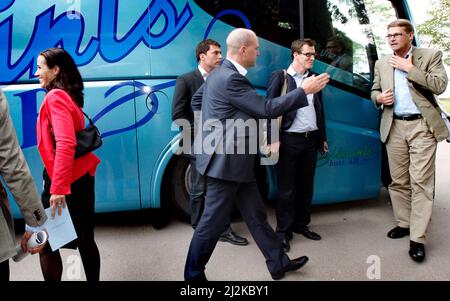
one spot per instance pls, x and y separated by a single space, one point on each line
88 139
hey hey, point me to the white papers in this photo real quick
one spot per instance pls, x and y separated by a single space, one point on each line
60 229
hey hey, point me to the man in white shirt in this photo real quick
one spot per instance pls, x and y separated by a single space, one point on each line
302 136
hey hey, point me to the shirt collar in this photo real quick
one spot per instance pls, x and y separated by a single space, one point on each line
203 72
409 52
291 71
238 66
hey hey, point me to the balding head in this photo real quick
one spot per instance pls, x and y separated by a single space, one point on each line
243 47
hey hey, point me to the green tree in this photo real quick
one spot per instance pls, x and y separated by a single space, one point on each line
435 31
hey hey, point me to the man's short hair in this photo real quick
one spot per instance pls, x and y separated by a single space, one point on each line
297 45
402 23
203 47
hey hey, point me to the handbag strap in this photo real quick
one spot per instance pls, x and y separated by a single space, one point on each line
90 120
51 127
284 87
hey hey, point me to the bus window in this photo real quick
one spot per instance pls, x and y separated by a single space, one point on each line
347 38
380 10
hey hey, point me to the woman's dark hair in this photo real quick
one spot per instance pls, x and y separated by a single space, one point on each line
68 78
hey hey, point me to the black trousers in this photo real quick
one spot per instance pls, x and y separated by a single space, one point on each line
296 169
220 196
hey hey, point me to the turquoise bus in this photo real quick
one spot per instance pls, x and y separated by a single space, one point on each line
130 53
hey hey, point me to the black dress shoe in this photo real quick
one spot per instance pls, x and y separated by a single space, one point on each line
233 238
308 234
416 251
398 232
293 265
286 245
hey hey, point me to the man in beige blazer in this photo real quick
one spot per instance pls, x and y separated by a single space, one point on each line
16 174
404 87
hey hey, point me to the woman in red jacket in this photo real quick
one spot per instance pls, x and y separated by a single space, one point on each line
67 181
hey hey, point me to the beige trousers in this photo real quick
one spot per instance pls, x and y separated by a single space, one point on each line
411 150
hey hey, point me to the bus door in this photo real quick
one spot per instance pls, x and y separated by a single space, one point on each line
124 57
172 41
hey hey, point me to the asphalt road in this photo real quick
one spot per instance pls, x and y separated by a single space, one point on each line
354 245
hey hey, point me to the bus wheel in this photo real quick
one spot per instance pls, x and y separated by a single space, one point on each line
180 188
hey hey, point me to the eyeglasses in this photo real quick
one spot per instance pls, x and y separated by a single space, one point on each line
395 35
309 54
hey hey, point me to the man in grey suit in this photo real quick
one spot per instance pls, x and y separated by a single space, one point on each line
16 174
227 99
404 87
209 57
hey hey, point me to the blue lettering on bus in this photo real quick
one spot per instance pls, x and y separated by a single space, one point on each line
224 13
29 116
67 31
5 4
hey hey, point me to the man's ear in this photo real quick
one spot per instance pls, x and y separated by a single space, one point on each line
242 49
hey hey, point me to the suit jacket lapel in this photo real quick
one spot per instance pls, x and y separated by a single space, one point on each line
198 77
291 83
417 58
389 71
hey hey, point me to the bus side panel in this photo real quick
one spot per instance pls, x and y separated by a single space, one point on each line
352 168
112 107
153 135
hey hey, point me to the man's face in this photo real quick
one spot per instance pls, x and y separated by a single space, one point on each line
398 39
250 53
212 58
305 59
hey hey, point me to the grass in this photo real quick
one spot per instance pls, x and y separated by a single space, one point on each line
446 104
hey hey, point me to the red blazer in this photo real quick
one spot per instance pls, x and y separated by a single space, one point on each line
66 118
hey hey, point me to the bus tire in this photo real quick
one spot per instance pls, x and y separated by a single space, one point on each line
179 190
180 186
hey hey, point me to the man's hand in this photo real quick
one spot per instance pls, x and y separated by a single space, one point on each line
325 147
57 201
386 97
314 84
274 147
401 63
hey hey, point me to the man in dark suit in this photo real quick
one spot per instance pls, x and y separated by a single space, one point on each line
209 56
302 136
227 98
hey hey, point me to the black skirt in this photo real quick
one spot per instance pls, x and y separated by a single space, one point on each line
81 204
